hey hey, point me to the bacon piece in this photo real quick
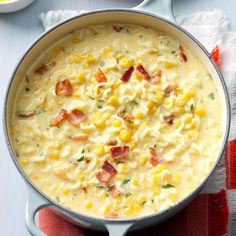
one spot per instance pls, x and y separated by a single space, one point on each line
41 69
119 152
64 88
169 89
82 137
44 68
215 54
117 29
169 119
153 156
182 53
157 77
75 117
111 142
113 191
106 173
142 71
26 114
87 159
127 74
128 116
59 118
99 76
85 189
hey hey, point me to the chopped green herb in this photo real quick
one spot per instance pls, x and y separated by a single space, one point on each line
27 89
106 194
127 51
82 151
27 78
17 140
100 187
152 200
102 63
80 159
209 76
91 98
119 162
173 52
100 106
143 203
127 30
140 36
128 194
58 199
117 60
155 145
212 96
126 181
17 154
134 102
37 145
101 100
192 108
130 121
168 186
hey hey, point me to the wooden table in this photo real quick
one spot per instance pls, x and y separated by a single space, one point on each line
17 30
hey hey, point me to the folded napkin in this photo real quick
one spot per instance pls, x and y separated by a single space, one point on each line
213 212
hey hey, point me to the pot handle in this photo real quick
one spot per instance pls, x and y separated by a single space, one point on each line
35 202
118 229
161 8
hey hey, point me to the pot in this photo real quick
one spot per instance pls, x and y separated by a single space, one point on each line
156 14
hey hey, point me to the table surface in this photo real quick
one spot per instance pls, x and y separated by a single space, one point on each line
18 30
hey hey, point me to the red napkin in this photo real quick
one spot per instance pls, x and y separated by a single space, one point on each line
206 215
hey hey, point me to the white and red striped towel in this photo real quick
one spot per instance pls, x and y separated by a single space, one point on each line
213 212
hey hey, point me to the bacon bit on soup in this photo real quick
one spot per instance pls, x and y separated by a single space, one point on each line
26 114
156 79
82 137
182 54
128 116
142 71
75 117
215 54
117 28
119 152
127 74
64 88
169 119
99 76
85 189
107 172
169 90
153 156
87 159
44 68
113 191
112 142
59 118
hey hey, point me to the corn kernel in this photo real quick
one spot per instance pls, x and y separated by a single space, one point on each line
167 102
60 102
193 134
54 155
106 51
125 135
134 181
99 149
120 177
49 107
143 159
188 93
188 118
24 162
175 178
139 92
65 191
159 97
137 207
114 101
91 59
81 177
181 109
149 104
116 123
200 111
123 168
156 179
104 209
160 168
128 211
138 114
133 144
142 198
88 204
120 55
177 123
80 78
173 197
127 62
156 191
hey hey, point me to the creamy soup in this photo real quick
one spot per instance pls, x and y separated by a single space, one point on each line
117 121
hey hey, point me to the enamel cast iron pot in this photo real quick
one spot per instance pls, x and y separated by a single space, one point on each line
156 14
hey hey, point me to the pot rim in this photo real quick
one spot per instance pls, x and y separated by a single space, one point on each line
113 220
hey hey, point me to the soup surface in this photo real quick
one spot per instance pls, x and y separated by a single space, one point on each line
117 121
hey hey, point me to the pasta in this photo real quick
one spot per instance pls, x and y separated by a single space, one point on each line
117 121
